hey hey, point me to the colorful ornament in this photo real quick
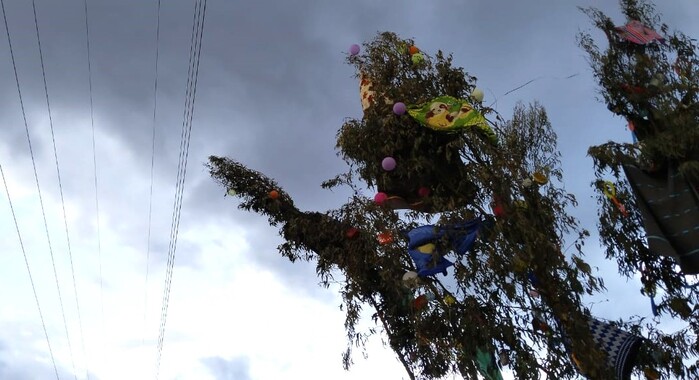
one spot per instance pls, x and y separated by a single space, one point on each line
274 194
497 206
231 192
385 238
446 113
417 58
527 183
354 49
399 108
540 178
610 192
423 192
477 95
634 90
449 300
421 240
430 296
380 198
388 164
413 50
487 365
638 33
410 279
351 232
368 96
420 302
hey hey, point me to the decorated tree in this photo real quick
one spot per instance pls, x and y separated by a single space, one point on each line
649 219
465 253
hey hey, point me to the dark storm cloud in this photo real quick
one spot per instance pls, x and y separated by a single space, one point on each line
228 369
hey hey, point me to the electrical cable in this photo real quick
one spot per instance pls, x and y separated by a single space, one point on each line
14 217
190 94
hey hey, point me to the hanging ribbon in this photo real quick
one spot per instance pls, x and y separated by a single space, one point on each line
653 306
610 192
650 292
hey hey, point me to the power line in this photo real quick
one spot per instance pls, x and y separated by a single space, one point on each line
14 217
26 261
190 95
152 163
60 187
94 164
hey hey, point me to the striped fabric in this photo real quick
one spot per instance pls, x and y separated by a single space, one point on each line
621 347
669 206
638 33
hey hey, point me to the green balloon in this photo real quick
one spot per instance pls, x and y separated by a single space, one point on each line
417 58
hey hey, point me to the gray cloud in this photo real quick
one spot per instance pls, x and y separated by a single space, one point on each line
273 90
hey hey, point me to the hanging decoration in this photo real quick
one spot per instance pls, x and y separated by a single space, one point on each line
609 191
388 164
351 232
384 238
399 108
668 205
487 365
410 279
446 113
638 33
368 95
477 95
424 241
620 347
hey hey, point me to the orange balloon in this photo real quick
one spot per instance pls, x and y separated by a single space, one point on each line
385 238
413 50
420 302
274 194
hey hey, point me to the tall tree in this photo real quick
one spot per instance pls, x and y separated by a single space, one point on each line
649 75
425 146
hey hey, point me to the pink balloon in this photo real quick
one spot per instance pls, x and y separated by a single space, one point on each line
399 108
354 49
379 198
388 164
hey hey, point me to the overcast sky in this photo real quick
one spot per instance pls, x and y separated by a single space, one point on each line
273 90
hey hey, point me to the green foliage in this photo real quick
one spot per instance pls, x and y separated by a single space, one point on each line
466 173
664 110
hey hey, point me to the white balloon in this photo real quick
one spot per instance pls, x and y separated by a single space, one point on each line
477 95
410 279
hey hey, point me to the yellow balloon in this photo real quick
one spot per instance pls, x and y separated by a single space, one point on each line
540 178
